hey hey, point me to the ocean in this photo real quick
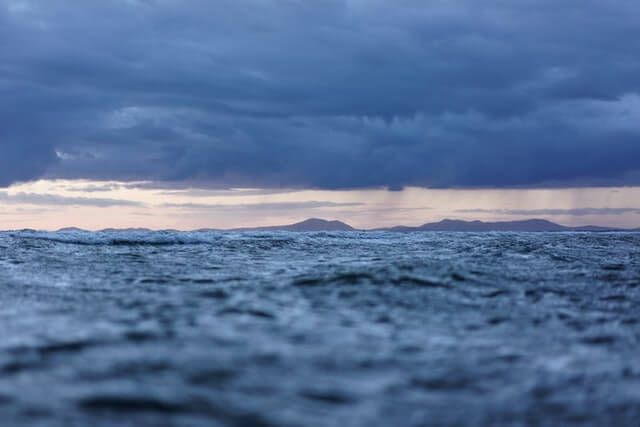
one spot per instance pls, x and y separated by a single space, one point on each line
319 329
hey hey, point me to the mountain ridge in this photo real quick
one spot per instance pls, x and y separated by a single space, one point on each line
311 224
447 225
451 225
526 225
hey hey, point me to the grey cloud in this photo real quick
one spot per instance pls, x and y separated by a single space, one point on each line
571 212
399 209
92 188
199 192
262 206
25 211
322 94
55 200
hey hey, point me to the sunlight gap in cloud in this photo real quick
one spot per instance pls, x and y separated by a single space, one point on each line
52 204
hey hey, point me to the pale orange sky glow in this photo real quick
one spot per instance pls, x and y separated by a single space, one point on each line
54 204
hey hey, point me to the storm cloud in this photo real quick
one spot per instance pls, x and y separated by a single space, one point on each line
323 94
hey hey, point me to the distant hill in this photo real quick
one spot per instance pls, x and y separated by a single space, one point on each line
528 225
312 224
126 230
316 224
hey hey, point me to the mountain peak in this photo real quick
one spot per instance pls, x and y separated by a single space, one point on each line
526 225
317 224
310 224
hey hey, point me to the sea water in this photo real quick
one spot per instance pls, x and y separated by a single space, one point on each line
319 329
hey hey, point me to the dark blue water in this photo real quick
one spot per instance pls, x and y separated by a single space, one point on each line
321 329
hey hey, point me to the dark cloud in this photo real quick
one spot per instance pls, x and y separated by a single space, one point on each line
570 212
323 94
55 200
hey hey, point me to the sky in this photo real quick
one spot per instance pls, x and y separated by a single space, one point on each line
193 113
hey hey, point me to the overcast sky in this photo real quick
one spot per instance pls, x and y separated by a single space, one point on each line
323 94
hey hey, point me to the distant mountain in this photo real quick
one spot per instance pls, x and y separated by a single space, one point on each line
530 225
313 224
316 224
126 230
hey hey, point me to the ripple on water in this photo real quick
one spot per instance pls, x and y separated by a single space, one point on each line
325 329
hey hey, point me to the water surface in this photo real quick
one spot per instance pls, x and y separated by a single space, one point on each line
319 329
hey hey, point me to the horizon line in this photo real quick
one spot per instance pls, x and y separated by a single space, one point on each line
275 227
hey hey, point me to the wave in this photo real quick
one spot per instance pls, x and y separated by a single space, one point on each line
170 237
122 238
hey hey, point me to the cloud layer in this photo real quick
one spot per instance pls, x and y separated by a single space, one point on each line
553 212
57 200
323 94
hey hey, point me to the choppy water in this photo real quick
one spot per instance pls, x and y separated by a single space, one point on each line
322 329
